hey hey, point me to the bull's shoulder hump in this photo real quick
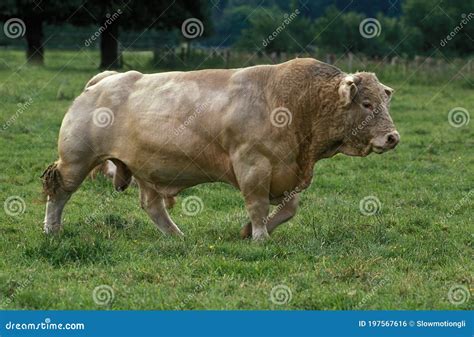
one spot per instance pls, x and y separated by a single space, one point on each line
310 64
254 74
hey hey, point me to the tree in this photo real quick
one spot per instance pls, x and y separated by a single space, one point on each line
331 32
272 30
435 23
26 18
354 32
229 24
113 15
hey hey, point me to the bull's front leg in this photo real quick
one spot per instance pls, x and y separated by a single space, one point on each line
257 208
286 209
254 182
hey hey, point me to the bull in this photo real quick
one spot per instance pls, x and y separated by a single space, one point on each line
260 129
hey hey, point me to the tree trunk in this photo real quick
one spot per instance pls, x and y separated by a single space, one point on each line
109 53
34 40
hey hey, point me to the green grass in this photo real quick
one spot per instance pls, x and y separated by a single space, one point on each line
330 255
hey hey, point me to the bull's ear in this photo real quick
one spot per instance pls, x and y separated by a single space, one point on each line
388 91
348 89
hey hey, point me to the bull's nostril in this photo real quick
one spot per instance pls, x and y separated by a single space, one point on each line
391 139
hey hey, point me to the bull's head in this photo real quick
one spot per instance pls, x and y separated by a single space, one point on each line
366 104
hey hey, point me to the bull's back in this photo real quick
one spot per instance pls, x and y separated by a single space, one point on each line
189 108
173 125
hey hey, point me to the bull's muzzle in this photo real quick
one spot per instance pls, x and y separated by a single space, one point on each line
386 142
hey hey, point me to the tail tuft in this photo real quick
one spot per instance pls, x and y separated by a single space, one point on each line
52 181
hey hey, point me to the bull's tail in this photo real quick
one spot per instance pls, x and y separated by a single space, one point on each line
52 180
97 78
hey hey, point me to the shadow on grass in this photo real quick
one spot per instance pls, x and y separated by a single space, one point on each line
116 221
72 247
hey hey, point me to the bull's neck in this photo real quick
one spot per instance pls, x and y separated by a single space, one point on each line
310 93
319 125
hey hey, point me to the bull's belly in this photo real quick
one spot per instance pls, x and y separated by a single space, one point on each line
171 178
174 171
179 176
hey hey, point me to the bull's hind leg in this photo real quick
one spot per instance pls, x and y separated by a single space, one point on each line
154 204
60 180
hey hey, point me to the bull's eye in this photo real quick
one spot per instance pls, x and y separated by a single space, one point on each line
367 105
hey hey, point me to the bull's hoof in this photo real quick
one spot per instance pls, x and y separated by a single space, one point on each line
121 188
246 231
52 229
260 235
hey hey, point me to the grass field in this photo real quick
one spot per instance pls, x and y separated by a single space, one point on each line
330 256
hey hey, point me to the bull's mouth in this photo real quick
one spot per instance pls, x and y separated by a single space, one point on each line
373 148
378 149
368 150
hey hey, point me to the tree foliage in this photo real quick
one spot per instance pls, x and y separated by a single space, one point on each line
422 28
272 30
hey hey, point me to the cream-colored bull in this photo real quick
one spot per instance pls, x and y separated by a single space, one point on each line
260 129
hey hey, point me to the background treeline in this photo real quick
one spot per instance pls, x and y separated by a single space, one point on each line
407 27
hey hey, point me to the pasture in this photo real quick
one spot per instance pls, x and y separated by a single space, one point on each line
413 253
